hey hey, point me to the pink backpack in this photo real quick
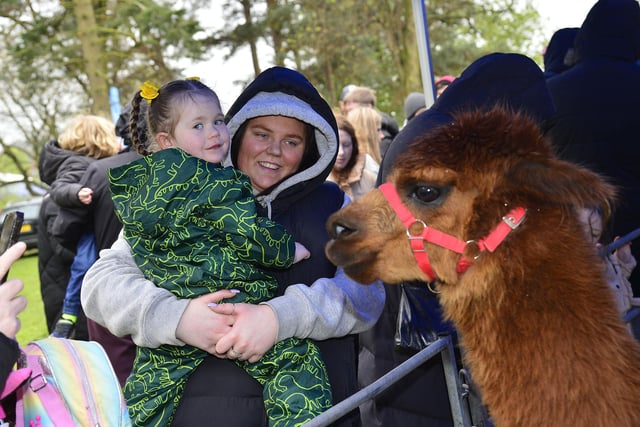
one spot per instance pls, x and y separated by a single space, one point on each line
63 382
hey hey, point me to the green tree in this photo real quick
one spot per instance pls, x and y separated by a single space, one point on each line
373 42
60 57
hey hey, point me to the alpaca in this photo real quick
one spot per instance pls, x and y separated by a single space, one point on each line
539 326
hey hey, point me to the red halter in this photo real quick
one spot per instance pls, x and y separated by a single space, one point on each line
509 222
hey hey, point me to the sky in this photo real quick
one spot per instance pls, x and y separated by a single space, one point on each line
221 75
558 14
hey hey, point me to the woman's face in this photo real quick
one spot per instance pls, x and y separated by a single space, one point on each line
345 150
271 149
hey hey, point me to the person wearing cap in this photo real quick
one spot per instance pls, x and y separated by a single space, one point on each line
345 90
598 102
508 79
414 104
278 111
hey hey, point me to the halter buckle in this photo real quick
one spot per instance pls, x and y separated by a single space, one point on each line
512 221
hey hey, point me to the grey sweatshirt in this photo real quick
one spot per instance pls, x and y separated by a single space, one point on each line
116 295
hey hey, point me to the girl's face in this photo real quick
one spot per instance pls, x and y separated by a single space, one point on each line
200 131
345 150
271 149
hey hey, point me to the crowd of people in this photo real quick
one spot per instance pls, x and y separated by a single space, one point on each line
210 229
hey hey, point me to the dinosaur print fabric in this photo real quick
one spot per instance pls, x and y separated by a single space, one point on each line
193 229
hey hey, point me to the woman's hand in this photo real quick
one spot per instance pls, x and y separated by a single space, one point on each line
253 332
201 327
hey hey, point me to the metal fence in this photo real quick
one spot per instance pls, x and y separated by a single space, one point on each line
457 389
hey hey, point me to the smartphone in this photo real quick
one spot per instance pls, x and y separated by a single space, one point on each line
10 233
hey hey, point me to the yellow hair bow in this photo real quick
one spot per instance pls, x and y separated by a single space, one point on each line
149 91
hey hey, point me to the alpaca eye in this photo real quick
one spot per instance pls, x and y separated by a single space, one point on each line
427 193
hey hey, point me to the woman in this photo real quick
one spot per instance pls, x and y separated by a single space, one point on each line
349 171
284 137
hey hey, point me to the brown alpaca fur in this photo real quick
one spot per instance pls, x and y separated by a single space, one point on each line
543 339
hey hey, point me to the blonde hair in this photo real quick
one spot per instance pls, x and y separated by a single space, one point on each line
93 136
367 123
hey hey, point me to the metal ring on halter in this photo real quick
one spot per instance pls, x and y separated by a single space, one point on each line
419 235
468 242
431 288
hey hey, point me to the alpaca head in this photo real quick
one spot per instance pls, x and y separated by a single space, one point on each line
460 180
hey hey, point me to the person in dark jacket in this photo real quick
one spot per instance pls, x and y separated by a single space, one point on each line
61 165
598 103
331 311
421 399
559 55
100 216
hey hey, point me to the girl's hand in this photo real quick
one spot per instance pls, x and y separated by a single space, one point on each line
253 333
301 253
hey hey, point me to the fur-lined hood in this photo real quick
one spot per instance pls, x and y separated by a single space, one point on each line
284 92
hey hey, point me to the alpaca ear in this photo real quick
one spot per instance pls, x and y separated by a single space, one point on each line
563 183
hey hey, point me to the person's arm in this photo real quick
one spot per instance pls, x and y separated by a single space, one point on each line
65 188
331 307
11 304
116 294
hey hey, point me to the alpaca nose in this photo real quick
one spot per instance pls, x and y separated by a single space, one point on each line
338 228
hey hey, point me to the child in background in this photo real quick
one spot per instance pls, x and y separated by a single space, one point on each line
193 229
85 139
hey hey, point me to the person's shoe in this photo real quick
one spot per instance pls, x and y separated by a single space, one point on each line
64 329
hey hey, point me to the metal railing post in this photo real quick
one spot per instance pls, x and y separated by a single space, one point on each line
442 345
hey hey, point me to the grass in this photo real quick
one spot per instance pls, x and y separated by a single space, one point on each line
33 321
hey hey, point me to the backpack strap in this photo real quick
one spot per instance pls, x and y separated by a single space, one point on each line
14 380
49 396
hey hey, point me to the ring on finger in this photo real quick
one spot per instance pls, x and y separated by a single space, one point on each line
234 308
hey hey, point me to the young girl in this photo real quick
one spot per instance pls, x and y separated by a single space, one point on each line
193 229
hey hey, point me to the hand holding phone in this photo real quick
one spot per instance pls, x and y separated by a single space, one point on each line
10 233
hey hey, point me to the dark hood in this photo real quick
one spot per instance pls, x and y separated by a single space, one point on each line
611 30
51 158
285 92
561 42
507 79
